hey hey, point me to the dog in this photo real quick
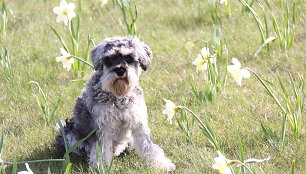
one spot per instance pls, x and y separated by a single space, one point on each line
113 102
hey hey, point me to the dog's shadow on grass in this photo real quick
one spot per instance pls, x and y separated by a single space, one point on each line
80 162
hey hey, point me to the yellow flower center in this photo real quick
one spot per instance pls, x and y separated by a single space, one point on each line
65 12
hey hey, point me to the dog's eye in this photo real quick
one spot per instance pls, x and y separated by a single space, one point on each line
108 62
129 59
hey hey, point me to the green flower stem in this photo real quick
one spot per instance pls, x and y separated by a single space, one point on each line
247 168
82 61
211 136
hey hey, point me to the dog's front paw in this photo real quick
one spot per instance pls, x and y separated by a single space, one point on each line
164 163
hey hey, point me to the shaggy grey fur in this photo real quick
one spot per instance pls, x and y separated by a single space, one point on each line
113 102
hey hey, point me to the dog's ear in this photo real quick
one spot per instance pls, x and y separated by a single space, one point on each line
145 56
96 55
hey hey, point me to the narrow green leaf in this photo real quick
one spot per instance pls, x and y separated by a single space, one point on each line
62 130
241 154
14 168
284 118
283 87
257 19
80 141
60 38
68 169
292 167
41 161
292 84
253 160
75 80
1 141
269 91
267 41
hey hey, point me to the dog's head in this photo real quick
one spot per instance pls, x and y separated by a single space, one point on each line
121 60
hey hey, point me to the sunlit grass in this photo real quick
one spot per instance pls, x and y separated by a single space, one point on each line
165 26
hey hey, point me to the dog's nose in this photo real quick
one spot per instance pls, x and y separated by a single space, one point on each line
120 71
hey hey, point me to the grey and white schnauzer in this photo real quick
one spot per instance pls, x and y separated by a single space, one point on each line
114 103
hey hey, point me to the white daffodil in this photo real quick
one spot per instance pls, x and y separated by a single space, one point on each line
221 164
65 12
66 59
201 62
236 71
189 45
205 52
170 109
104 2
223 2
26 172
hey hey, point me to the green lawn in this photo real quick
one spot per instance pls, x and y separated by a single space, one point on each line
166 26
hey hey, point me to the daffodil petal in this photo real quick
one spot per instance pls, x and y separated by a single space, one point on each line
239 80
56 10
205 52
28 167
245 73
63 3
213 60
71 6
215 166
59 59
59 19
64 52
236 62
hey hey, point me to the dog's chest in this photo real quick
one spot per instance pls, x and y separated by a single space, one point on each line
126 112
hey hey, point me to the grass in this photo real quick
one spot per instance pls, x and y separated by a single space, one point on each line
236 113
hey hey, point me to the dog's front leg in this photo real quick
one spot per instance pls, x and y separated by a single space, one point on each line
102 153
149 151
107 145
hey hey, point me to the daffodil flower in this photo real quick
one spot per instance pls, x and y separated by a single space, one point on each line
26 172
201 62
65 12
221 164
170 109
223 2
205 52
104 2
66 59
236 71
189 45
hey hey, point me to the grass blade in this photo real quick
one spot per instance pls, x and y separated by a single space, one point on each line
284 118
267 41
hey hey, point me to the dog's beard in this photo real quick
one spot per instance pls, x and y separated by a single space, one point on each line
119 86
